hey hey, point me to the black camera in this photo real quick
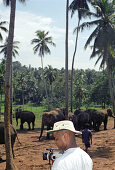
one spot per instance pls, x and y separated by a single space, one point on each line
51 155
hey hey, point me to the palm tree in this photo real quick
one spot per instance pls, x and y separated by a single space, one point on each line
41 46
2 28
103 36
2 73
81 6
50 75
14 53
9 158
66 61
14 50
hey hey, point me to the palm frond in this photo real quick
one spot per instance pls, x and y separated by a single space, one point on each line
92 36
87 25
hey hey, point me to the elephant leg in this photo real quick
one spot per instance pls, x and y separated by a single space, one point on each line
33 125
42 128
98 125
29 128
90 123
94 126
105 122
12 144
105 125
21 125
48 128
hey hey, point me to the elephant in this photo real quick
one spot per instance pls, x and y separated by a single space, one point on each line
76 112
99 116
95 118
25 116
49 118
13 135
80 118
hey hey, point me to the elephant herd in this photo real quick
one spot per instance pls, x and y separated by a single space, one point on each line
79 118
91 116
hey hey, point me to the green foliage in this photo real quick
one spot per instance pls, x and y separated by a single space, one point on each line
90 88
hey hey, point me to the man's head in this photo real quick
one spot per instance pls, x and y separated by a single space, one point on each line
64 133
65 139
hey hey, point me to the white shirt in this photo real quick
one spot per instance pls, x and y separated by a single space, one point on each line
73 159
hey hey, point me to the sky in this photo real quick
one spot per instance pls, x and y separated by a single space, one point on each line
47 15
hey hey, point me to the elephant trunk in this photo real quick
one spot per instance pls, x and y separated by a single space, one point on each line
113 116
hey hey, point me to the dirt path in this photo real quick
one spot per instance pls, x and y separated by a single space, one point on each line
29 155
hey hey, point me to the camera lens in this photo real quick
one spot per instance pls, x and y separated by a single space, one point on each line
53 157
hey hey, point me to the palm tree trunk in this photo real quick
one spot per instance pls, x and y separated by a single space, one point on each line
66 61
111 87
9 157
0 103
11 94
44 83
23 98
73 66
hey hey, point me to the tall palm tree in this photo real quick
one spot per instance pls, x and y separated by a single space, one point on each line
14 53
42 41
9 158
103 36
2 28
2 73
66 61
81 6
50 75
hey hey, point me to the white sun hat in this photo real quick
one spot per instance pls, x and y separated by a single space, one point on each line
64 125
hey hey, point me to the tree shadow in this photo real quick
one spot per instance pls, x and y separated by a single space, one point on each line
28 131
103 152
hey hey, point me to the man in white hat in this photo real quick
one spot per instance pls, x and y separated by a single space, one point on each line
73 158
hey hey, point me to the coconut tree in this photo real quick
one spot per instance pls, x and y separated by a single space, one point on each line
103 36
42 41
14 50
9 158
14 53
2 73
66 61
2 28
50 76
81 7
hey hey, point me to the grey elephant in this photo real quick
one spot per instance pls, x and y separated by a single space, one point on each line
25 116
99 116
49 118
80 118
13 135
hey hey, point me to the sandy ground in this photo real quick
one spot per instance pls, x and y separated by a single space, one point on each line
29 155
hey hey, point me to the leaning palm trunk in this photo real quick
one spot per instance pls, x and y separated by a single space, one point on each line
66 61
111 87
9 157
45 83
73 66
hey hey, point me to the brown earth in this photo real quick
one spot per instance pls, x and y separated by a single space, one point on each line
28 155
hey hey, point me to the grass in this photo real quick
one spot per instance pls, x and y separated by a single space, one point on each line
38 111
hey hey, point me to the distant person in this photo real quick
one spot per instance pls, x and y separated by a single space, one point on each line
86 137
73 158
